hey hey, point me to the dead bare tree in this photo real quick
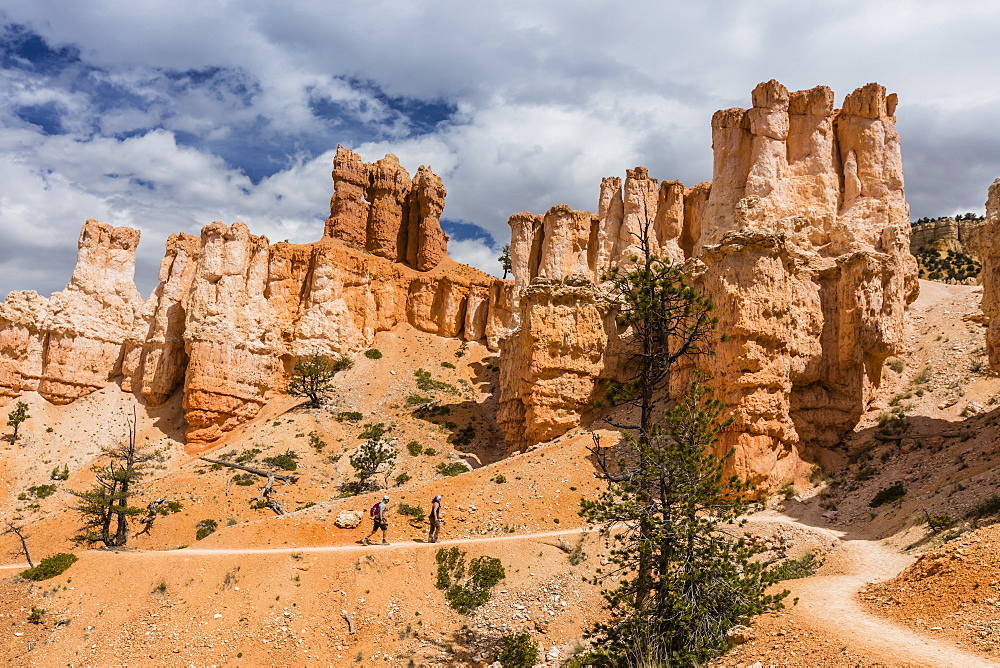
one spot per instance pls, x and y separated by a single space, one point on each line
153 508
19 532
265 494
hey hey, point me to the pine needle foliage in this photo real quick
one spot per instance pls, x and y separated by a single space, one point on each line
312 377
680 579
16 417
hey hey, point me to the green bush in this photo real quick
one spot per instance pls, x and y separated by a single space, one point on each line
349 416
430 452
465 436
414 448
888 495
36 615
42 491
448 365
248 455
990 506
171 507
373 354
518 651
316 442
245 479
466 594
427 384
499 478
205 528
374 432
417 400
452 469
403 478
284 461
416 512
793 569
60 473
896 364
938 522
50 567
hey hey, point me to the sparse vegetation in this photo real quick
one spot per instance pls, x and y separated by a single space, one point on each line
889 494
414 448
416 512
285 461
60 473
896 364
349 416
50 567
42 491
374 454
426 383
36 615
316 442
793 569
451 469
989 506
403 478
205 528
447 365
373 354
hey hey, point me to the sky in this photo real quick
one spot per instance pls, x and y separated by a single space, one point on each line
168 116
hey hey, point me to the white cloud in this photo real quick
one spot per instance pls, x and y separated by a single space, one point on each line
550 97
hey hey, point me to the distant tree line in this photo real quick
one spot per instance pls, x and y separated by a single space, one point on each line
961 216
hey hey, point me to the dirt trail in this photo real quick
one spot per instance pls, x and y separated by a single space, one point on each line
828 603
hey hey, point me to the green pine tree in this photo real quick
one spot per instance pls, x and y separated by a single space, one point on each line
680 579
16 417
312 377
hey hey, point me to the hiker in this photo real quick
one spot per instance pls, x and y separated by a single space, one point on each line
435 518
379 514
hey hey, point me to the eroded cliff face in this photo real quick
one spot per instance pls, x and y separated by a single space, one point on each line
70 344
801 241
985 241
232 311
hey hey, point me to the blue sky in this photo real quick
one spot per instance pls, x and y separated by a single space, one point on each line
167 116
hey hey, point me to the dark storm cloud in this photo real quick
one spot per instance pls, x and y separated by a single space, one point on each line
166 116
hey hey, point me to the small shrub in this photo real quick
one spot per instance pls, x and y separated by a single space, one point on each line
888 495
924 376
427 384
793 569
205 528
349 416
170 507
374 432
462 349
50 567
499 479
430 452
414 448
248 455
416 512
990 506
284 461
373 354
36 615
60 473
788 491
160 588
518 651
403 478
245 479
451 469
465 436
42 491
417 400
938 522
466 594
448 365
896 364
316 442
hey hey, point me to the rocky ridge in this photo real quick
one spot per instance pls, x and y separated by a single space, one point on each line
801 240
232 311
987 246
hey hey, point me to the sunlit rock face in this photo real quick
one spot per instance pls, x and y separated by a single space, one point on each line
802 242
986 243
232 311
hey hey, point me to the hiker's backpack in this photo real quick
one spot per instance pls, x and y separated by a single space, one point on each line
374 511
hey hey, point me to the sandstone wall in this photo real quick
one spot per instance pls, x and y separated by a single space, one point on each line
801 240
232 312
985 241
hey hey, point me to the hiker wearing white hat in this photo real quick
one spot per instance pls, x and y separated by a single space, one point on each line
380 516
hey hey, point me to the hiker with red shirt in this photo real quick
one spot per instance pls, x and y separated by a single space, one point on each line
379 514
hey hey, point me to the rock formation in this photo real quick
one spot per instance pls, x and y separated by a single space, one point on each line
986 242
232 311
377 207
72 343
801 240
